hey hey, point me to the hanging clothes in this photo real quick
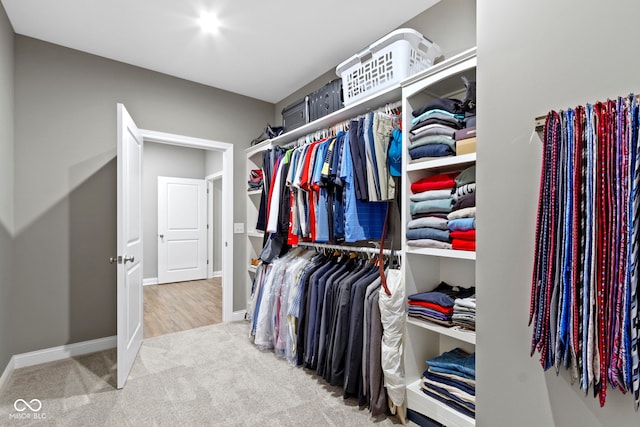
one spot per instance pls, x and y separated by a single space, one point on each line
318 311
320 193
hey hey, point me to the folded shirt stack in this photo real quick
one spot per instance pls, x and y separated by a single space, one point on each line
429 206
450 379
256 179
464 313
438 305
462 224
433 128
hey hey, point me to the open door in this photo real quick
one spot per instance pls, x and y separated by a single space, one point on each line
129 258
182 229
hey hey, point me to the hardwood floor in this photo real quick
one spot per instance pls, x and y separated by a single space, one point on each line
175 307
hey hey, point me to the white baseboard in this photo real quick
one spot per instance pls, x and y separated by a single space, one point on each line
238 315
217 274
64 351
150 281
7 373
56 353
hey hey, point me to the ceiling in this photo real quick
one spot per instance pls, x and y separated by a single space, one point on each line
263 49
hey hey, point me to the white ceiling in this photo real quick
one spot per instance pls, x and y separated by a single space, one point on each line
264 49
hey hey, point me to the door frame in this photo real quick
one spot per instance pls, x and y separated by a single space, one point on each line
227 200
210 179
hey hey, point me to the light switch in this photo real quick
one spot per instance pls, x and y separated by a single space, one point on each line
238 227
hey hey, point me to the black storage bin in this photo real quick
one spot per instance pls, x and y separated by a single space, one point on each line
296 114
325 100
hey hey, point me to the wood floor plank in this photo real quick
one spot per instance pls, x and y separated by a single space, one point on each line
175 307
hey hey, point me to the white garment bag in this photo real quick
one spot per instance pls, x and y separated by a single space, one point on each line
392 313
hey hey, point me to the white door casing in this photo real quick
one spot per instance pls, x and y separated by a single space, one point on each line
129 243
226 213
214 240
182 229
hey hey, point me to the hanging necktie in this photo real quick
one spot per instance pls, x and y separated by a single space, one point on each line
542 285
633 264
584 289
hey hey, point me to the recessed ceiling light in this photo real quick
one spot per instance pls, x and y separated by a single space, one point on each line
209 22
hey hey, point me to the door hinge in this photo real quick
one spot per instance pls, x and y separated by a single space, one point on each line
207 262
207 226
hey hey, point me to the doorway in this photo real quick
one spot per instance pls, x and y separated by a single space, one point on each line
225 179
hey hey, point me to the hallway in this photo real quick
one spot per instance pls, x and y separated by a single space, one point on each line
175 307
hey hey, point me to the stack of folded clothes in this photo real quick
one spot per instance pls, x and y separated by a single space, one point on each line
462 224
429 205
433 128
437 305
464 313
451 379
256 179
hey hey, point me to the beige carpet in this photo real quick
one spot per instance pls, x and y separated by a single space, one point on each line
206 376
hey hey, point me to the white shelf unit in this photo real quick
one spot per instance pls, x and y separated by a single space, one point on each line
424 268
446 253
455 332
443 162
253 237
420 402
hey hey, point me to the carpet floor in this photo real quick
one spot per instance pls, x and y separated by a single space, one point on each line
207 376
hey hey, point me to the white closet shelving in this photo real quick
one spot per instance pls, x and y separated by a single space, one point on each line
424 268
253 237
254 161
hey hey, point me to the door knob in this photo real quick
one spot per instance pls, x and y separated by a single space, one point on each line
162 236
120 260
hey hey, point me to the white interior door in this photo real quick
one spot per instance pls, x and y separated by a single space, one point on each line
182 229
129 258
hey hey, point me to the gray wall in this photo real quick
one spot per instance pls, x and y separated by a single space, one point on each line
163 160
213 162
534 57
451 24
6 182
65 180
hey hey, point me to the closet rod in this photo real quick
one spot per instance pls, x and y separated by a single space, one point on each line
375 251
388 105
298 141
540 120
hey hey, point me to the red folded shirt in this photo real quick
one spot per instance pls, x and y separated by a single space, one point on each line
435 182
469 235
432 306
463 245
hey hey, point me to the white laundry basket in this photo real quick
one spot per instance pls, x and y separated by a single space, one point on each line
394 57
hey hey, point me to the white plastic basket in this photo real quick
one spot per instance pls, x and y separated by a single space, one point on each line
393 58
